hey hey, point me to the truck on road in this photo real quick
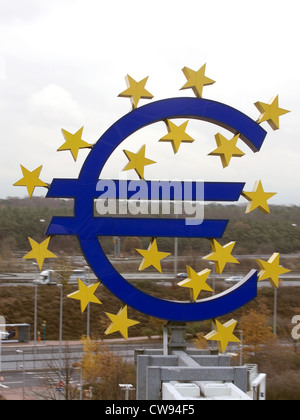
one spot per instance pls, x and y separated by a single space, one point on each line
53 277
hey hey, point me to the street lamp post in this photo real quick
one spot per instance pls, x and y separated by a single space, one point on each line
44 325
275 311
80 384
87 271
127 388
60 327
23 368
35 313
212 264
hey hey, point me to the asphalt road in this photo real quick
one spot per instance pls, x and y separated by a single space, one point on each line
33 379
27 279
12 363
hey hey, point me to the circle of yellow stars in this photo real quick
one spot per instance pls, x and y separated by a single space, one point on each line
221 254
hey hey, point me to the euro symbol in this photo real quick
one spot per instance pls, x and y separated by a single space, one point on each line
88 228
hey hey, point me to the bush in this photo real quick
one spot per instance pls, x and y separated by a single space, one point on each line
284 387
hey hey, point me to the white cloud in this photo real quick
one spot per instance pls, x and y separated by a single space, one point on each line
53 104
2 68
63 63
14 10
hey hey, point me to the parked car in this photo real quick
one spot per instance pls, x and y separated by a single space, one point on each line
234 279
182 276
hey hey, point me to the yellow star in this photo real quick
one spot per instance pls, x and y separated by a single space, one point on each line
271 270
223 334
85 294
226 149
221 255
258 198
39 252
31 180
120 322
177 135
196 282
270 112
152 257
138 161
196 80
74 142
136 91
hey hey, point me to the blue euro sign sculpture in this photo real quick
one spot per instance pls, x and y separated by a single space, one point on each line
88 228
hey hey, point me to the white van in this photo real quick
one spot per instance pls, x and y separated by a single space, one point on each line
51 277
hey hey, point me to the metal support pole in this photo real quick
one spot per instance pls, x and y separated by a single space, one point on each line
165 341
175 259
44 325
88 332
60 327
23 368
35 312
35 321
275 311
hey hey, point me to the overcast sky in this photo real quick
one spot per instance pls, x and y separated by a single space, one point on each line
63 64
